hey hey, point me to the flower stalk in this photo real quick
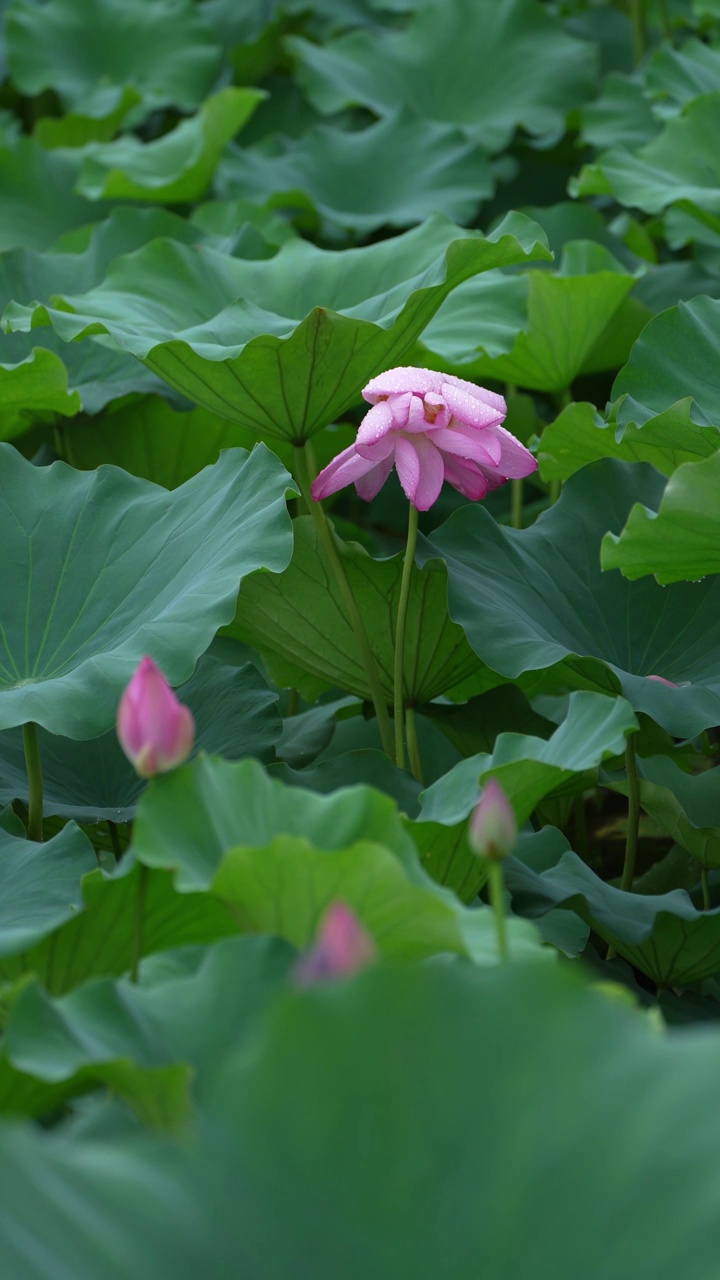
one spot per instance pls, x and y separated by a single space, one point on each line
496 893
327 540
398 673
33 765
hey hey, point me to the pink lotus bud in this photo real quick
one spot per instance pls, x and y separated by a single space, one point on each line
493 830
662 680
342 947
155 731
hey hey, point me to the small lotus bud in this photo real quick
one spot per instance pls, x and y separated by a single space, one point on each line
155 731
342 947
493 830
662 680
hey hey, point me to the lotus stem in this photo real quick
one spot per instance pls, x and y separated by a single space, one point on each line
327 538
516 503
143 879
496 892
633 821
638 19
413 744
114 839
705 888
633 824
33 765
398 690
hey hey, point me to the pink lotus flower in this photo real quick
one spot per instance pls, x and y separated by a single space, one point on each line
431 427
155 731
493 828
342 947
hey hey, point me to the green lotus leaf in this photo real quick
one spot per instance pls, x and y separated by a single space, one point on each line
166 51
621 116
99 120
40 885
37 385
283 346
40 201
235 716
537 330
353 1069
662 935
151 439
529 768
677 540
300 617
675 77
105 922
277 856
528 599
396 173
364 766
146 1043
579 436
100 568
174 169
95 370
675 357
378 69
680 165
686 806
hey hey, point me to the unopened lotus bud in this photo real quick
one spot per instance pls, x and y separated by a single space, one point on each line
155 731
493 828
342 947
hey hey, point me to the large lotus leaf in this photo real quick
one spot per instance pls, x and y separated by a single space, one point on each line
364 766
97 371
277 856
677 540
39 198
92 374
233 226
528 767
152 440
674 77
620 117
101 922
37 385
676 356
530 598
99 120
685 805
283 346
353 1091
228 805
662 935
166 50
235 716
395 173
158 1096
174 169
40 885
300 616
100 568
580 436
566 314
490 309
432 67
131 1038
681 164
